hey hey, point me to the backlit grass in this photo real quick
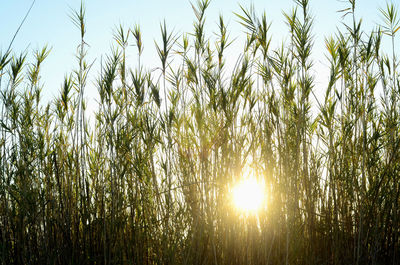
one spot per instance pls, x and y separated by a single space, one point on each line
150 181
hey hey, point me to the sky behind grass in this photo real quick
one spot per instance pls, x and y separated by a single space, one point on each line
49 23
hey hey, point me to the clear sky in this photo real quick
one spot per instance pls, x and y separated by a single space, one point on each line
49 23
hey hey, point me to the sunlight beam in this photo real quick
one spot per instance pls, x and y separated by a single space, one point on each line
248 195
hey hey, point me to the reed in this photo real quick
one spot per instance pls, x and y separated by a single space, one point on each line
150 180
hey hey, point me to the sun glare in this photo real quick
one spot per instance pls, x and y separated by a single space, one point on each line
248 195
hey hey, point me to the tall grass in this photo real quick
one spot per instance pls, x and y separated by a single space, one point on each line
149 182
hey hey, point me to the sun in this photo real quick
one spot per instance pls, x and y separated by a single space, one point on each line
248 195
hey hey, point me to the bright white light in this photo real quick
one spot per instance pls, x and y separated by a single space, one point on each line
248 195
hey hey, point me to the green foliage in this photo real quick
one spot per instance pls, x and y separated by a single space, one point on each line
150 180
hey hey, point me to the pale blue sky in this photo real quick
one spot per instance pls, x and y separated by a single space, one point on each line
49 23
